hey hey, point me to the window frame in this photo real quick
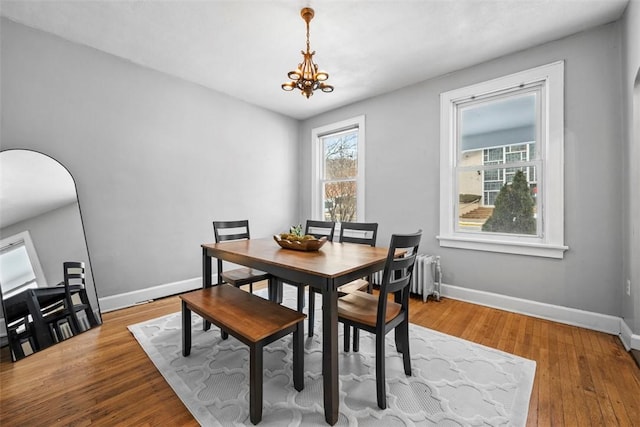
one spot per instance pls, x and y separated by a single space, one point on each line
317 165
24 238
550 174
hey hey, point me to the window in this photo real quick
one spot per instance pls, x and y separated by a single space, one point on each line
501 164
338 170
19 265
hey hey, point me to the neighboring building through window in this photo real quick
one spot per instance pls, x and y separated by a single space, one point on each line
502 164
338 170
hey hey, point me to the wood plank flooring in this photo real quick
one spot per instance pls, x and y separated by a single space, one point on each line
103 377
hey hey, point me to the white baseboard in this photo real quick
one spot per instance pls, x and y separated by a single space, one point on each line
628 338
129 299
570 316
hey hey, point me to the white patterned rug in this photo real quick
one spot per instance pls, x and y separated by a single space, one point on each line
454 383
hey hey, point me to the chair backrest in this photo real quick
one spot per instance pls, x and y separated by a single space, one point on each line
396 277
73 274
320 229
364 233
231 230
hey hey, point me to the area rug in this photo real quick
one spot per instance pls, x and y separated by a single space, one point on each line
454 382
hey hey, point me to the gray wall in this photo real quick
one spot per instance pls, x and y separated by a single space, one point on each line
155 158
57 237
402 169
152 157
631 163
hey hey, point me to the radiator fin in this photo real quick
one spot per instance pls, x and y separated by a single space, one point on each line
426 278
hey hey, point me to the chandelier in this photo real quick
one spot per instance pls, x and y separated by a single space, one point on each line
306 77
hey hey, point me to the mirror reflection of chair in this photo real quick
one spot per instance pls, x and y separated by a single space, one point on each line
364 233
22 338
75 301
378 315
236 230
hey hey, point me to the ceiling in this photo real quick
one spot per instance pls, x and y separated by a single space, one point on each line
245 48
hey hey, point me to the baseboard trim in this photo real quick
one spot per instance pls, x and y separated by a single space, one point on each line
129 299
570 316
628 338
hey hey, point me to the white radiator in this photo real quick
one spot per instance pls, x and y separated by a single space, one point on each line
426 278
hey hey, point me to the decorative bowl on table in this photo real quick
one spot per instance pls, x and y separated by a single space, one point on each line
305 243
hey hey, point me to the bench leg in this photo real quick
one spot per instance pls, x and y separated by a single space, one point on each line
186 329
298 357
255 382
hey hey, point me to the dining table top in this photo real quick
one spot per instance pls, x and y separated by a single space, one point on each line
16 306
330 261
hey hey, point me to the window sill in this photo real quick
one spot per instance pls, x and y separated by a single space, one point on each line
504 246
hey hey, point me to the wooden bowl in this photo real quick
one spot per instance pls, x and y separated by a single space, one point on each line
301 245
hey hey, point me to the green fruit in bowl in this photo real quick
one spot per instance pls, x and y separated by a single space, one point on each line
296 230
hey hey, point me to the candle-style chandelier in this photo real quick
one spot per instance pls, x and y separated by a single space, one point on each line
306 77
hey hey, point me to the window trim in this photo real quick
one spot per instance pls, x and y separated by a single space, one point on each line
316 164
551 174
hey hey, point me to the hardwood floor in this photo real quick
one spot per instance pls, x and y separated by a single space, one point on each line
103 377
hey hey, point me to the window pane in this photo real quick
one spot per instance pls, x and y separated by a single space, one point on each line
503 128
493 134
16 272
479 199
341 155
340 201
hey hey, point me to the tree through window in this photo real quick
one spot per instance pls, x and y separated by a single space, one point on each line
339 189
340 174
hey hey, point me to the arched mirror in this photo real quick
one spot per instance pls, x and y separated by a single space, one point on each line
48 293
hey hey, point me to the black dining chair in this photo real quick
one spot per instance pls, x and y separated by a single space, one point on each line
75 301
378 315
317 229
236 230
364 233
22 338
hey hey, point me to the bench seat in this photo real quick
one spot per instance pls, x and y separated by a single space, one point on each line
255 322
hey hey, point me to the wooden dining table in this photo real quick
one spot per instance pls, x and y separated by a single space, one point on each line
333 265
31 302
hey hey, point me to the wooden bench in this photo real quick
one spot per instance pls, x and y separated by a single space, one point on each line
252 320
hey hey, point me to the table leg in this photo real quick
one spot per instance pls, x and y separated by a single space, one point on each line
330 352
43 336
206 281
186 329
273 285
